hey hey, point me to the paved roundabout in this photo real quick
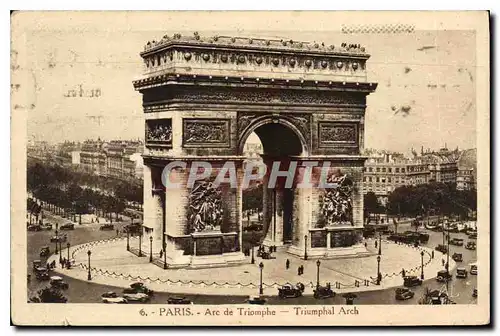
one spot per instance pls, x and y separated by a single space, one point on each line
111 264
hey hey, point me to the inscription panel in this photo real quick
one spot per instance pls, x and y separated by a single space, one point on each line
206 133
333 134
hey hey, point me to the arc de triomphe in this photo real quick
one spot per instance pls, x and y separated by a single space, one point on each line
203 97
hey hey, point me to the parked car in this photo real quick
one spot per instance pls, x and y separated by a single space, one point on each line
61 238
34 228
473 235
68 226
411 281
58 282
290 291
44 251
112 297
132 295
443 276
256 300
404 293
139 287
106 227
324 292
473 269
461 273
457 241
46 227
254 227
470 245
178 300
457 257
265 255
441 248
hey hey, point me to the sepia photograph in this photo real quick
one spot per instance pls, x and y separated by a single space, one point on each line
250 168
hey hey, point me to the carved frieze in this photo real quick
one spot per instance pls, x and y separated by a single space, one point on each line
158 132
337 134
206 132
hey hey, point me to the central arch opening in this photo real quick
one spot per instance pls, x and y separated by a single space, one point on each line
278 142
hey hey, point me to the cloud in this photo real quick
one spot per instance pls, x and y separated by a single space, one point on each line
423 48
407 69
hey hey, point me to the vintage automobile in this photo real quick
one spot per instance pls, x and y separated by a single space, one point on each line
457 241
178 300
253 227
324 292
461 273
457 257
132 295
411 281
61 238
44 251
68 226
112 297
404 293
443 276
139 287
473 269
42 274
474 292
265 255
105 227
424 237
441 248
256 300
34 228
437 297
470 245
472 235
57 282
290 291
132 228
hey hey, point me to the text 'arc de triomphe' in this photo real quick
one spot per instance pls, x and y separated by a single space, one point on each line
202 98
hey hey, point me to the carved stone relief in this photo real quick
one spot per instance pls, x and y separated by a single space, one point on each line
336 203
159 132
206 133
335 134
205 211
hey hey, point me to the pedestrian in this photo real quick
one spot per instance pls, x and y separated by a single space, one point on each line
161 254
366 245
432 254
287 264
48 266
376 244
298 270
403 273
442 262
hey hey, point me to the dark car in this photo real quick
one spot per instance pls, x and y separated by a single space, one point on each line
404 293
472 235
68 226
324 292
57 282
290 291
178 300
42 274
457 241
457 257
34 228
254 227
256 300
140 288
443 276
441 248
106 227
424 237
411 281
59 238
470 245
132 228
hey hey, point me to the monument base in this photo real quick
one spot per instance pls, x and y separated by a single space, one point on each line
355 251
206 261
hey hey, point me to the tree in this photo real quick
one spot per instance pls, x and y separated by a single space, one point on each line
49 295
371 204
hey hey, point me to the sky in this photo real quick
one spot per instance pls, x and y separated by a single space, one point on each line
425 96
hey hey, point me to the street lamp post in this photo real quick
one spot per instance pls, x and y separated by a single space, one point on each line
422 262
261 289
305 247
378 270
128 240
67 246
165 255
318 263
380 243
60 250
57 237
253 258
89 276
150 248
140 243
